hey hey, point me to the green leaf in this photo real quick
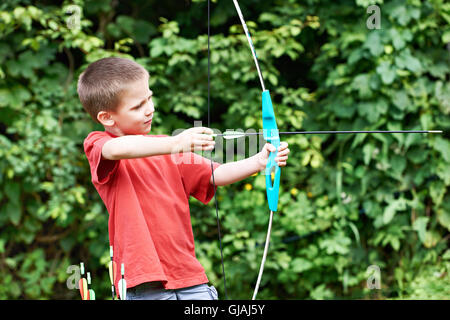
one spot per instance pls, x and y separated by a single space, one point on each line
338 243
406 61
386 72
401 100
343 109
373 43
431 238
446 255
362 84
372 110
420 225
126 23
12 190
368 152
437 192
13 211
443 147
443 217
300 265
446 37
14 97
398 165
392 208
397 39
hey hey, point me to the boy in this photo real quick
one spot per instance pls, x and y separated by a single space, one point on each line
144 190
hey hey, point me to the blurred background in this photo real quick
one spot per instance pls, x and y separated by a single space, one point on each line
360 216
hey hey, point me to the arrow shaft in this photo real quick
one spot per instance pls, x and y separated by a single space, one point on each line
233 134
362 131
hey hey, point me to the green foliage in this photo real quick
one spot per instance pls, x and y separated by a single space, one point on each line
346 202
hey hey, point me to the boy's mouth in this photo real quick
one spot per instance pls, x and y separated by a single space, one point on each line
148 122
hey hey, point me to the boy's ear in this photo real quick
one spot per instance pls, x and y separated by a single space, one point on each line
105 118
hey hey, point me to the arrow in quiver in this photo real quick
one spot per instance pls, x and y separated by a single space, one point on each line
112 272
122 284
91 293
82 284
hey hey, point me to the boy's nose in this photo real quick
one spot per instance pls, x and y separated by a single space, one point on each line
150 108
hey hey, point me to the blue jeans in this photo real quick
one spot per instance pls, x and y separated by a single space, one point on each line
156 291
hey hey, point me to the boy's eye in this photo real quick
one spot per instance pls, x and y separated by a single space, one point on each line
139 106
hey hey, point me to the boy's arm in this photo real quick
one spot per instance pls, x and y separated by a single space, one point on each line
139 146
235 171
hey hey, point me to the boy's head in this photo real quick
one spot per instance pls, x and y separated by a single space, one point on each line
115 92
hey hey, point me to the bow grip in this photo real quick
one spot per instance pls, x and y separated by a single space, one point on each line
271 135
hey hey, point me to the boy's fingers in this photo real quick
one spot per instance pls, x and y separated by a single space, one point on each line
202 142
282 148
205 130
205 137
283 145
270 147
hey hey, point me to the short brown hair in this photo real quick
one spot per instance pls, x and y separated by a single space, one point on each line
100 85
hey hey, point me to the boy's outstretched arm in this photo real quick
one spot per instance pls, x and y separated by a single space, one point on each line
236 171
139 146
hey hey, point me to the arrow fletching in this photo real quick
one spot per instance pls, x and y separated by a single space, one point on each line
112 271
82 283
122 289
231 135
123 284
91 293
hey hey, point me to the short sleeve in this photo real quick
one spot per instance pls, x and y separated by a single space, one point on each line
196 174
101 169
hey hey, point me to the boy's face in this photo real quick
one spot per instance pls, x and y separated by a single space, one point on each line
135 110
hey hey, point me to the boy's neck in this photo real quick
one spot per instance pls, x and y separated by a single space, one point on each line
114 131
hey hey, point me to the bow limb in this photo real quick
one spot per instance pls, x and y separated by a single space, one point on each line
271 135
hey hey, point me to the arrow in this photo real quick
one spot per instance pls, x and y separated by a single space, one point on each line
82 284
122 284
236 135
112 271
91 291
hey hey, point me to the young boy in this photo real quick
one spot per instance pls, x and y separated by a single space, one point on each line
144 190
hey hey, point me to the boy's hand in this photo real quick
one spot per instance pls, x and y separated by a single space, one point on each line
195 139
281 157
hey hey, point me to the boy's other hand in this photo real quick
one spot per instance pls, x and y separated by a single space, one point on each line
195 139
280 159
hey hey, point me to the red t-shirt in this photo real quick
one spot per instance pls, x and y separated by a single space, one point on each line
149 219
